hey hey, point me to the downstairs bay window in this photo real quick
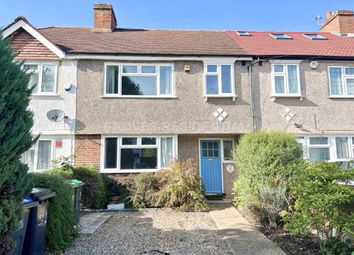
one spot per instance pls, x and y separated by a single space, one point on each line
138 80
39 157
137 153
327 148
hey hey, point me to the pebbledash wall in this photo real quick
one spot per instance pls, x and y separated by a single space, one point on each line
317 112
64 100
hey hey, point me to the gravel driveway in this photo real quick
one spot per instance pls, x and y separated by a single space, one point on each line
153 231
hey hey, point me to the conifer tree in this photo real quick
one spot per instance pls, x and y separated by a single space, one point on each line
16 122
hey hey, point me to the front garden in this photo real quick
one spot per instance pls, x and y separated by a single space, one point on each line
302 206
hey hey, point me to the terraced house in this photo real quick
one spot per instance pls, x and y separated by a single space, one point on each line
136 99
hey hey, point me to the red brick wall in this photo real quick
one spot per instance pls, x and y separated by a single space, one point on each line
104 18
339 22
29 47
88 150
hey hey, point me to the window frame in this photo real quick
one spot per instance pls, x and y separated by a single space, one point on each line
344 82
218 73
40 77
138 145
331 145
35 158
222 150
139 74
286 79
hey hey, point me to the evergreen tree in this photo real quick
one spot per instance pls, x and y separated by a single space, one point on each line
15 124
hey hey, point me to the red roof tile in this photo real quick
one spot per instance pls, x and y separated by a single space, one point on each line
262 44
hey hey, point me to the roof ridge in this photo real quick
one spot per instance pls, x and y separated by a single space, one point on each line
142 29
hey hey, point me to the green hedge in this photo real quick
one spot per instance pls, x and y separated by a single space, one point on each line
94 192
61 229
266 162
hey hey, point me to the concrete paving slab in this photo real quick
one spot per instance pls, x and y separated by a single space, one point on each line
90 222
241 236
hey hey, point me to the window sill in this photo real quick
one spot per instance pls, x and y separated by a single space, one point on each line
118 171
341 97
45 95
275 97
206 97
136 97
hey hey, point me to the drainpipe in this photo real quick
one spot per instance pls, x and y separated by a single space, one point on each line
250 84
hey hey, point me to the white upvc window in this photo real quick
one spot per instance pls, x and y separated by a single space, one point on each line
341 81
328 148
138 80
43 77
286 79
219 79
39 156
132 154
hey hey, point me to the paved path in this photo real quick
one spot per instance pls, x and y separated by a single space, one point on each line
241 237
90 222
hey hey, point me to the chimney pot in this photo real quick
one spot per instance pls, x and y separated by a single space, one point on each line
104 18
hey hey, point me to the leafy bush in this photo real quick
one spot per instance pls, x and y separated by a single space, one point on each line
61 229
177 187
320 204
266 162
94 192
143 190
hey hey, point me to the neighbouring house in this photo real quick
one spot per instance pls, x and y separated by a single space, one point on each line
136 98
55 81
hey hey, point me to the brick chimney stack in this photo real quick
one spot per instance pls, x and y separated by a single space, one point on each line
104 18
339 22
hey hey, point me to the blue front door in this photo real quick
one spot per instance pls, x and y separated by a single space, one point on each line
210 166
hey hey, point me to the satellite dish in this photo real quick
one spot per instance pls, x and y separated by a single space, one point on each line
55 115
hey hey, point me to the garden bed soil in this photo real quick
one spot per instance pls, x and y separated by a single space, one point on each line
290 245
294 245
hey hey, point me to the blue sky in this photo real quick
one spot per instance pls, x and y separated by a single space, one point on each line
277 15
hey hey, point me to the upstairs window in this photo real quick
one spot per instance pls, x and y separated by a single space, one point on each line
218 79
286 80
341 81
43 77
138 80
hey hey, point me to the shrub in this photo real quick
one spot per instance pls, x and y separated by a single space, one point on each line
61 229
15 138
320 204
94 192
181 188
142 190
266 162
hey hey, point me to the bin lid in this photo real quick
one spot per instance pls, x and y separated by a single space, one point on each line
28 202
40 194
75 183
